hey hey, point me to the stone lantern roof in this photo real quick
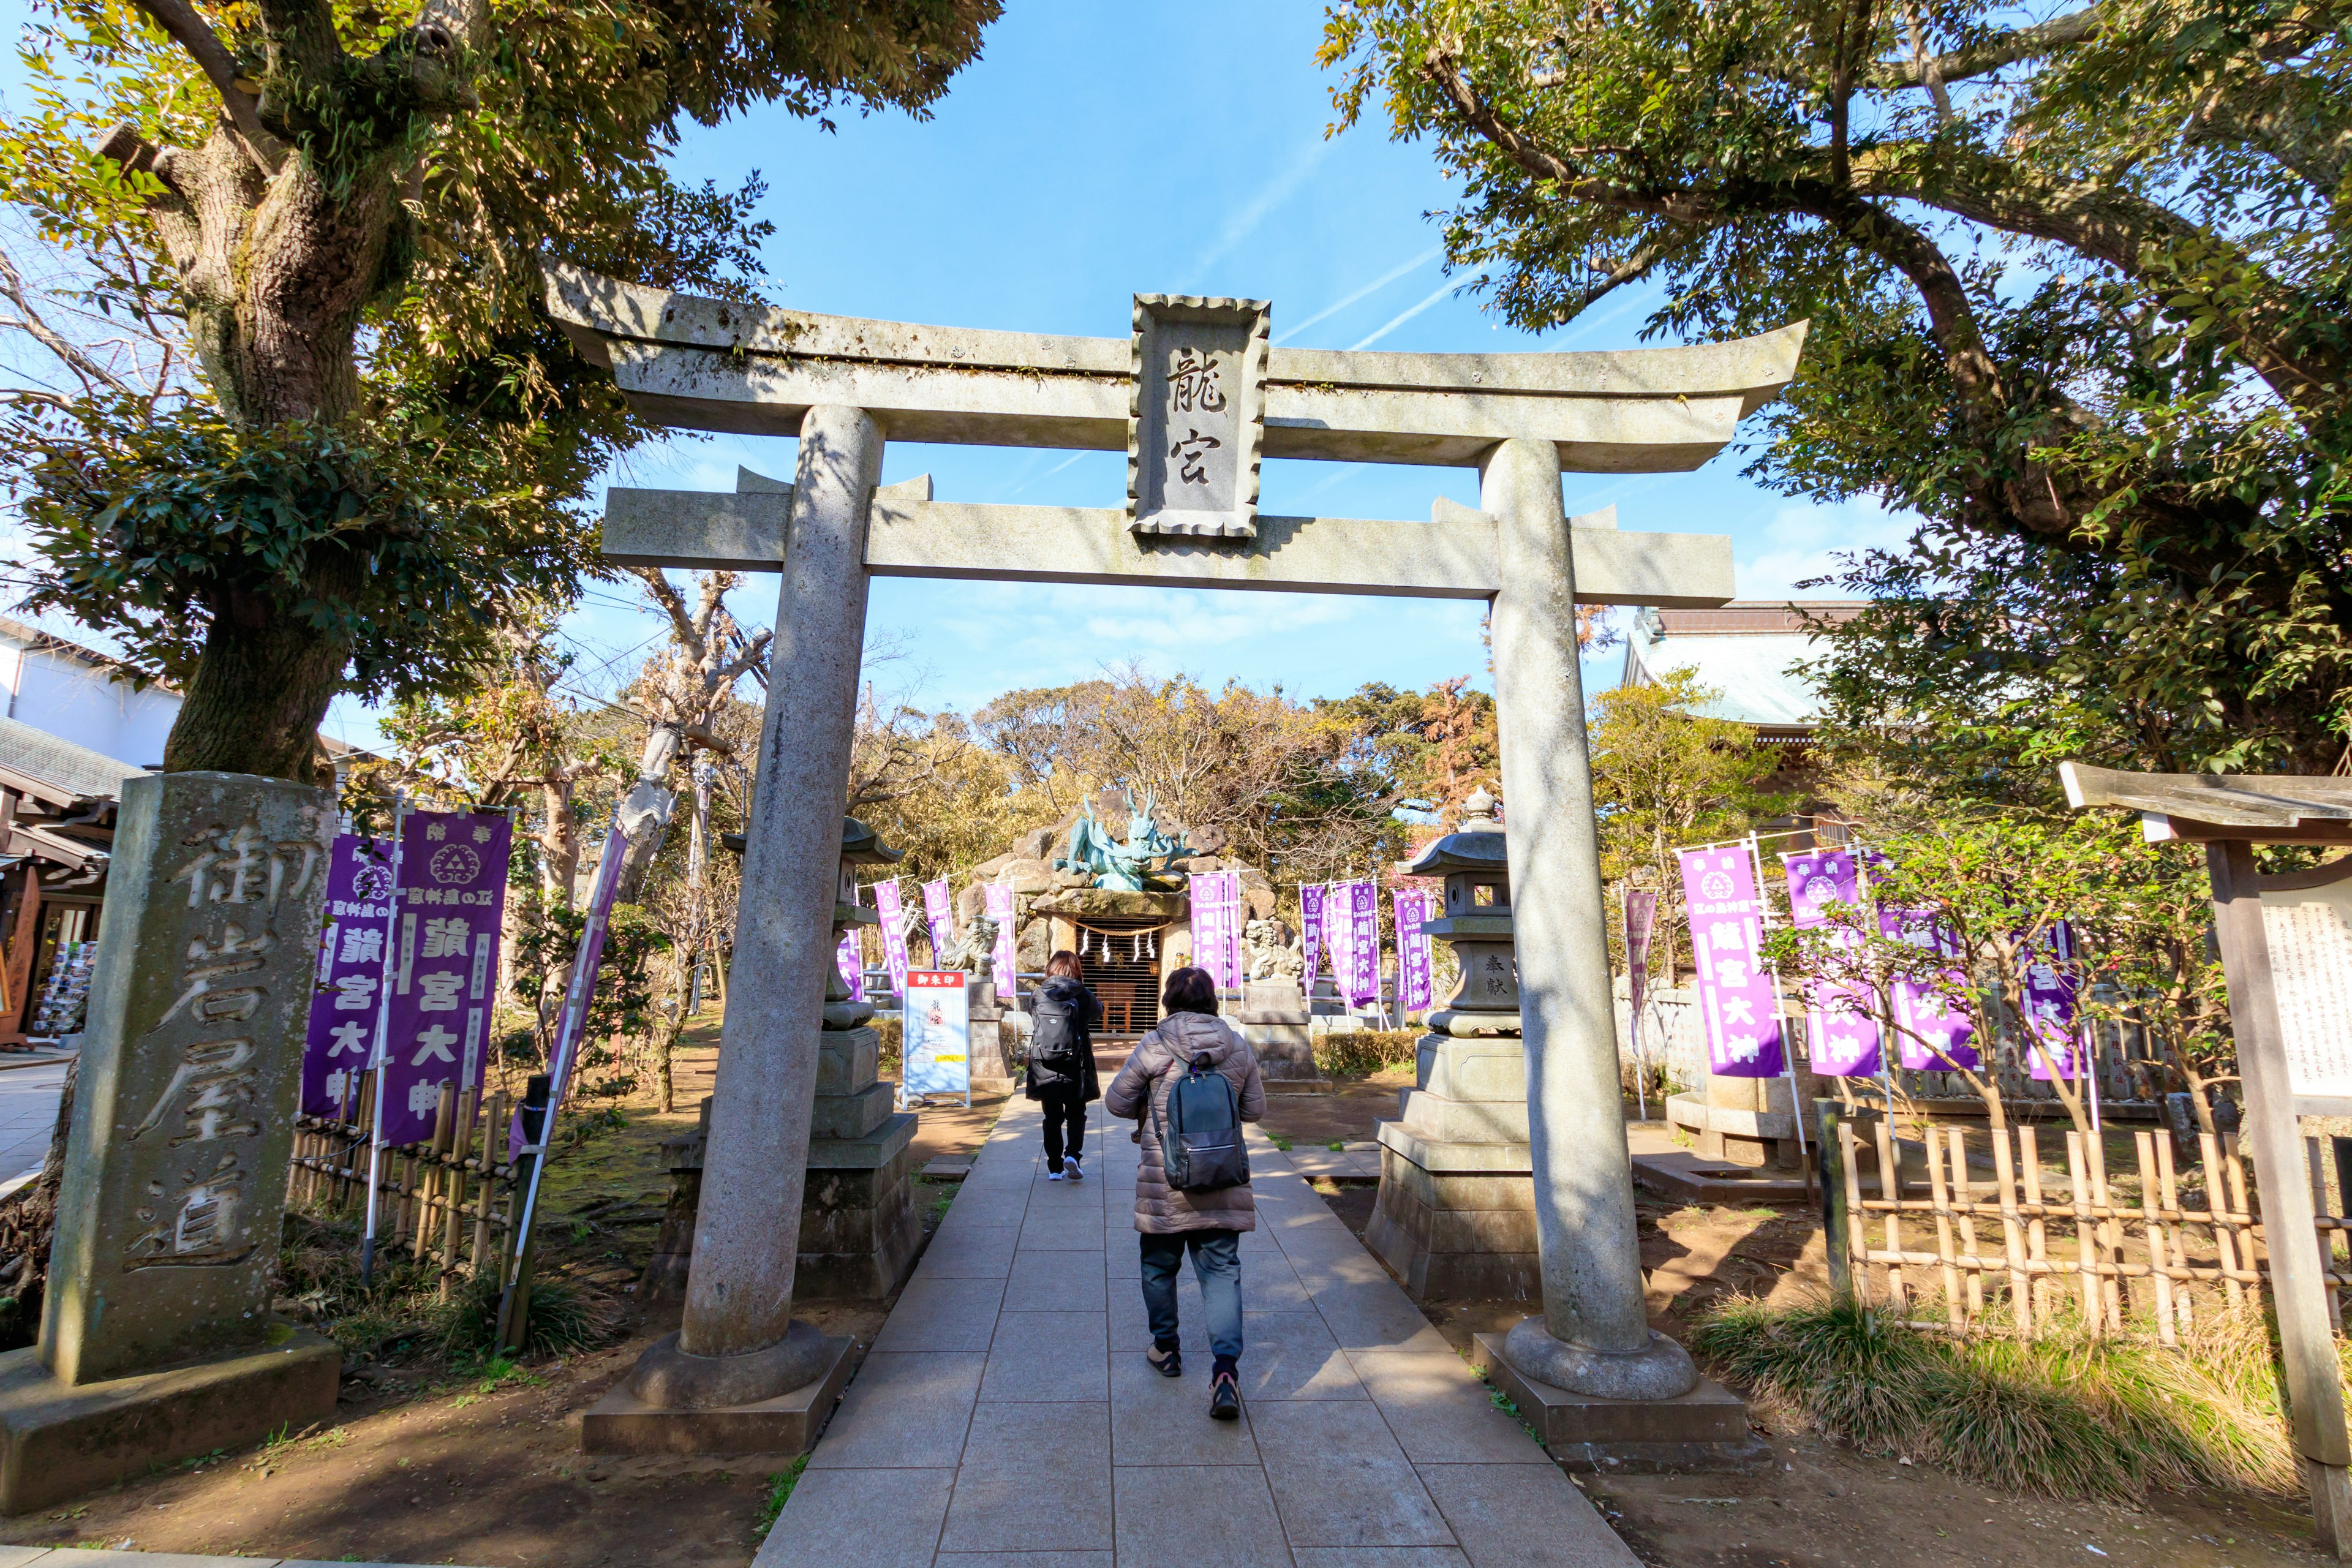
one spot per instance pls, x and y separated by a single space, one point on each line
861 846
1477 846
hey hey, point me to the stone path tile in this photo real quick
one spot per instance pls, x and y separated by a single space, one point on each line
1522 1516
1006 1418
1185 1516
1440 1411
1056 1282
874 1519
1156 1420
1037 1477
943 1312
1046 1357
903 1412
28 1115
1340 1479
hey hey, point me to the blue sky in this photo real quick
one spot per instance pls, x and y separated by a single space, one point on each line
1097 151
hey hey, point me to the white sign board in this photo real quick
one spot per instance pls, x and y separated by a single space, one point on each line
936 1050
2310 932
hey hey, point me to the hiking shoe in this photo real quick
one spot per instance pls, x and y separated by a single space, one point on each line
1224 1398
1075 1169
1169 1362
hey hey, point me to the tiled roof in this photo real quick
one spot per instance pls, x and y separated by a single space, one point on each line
70 772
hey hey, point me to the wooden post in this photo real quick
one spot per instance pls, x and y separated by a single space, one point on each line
1832 1133
2306 1341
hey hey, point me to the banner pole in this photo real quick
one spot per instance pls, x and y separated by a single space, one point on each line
1632 1011
1780 1019
574 1018
382 1028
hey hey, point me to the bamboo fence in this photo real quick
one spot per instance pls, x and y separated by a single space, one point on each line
450 1198
1956 1225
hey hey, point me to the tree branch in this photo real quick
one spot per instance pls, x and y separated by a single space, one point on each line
1987 56
179 19
91 373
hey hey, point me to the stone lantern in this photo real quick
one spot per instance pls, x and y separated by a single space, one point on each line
1476 926
1455 1217
858 1225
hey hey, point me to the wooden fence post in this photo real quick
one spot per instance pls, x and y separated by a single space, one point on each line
1827 1118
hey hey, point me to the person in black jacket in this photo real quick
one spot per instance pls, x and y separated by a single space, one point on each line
1062 1064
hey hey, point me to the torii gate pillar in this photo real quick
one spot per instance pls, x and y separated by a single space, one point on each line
1594 1337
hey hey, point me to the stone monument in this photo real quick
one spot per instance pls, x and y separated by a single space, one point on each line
157 1341
974 953
1274 1019
1456 1212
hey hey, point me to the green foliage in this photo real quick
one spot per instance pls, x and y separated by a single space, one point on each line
146 525
2061 1415
1361 1053
1665 776
622 1006
303 277
1994 882
2077 299
780 1492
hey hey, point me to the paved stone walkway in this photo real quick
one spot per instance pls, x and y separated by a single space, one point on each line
1005 1418
28 1112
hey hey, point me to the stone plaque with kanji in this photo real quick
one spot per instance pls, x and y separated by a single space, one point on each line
1196 416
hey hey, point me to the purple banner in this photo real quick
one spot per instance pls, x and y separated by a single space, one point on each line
1845 1036
894 933
1217 925
939 913
851 960
2050 1006
1726 921
352 949
1415 994
1363 986
1932 1035
453 894
999 900
1310 933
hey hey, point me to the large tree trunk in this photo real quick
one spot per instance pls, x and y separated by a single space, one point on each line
261 688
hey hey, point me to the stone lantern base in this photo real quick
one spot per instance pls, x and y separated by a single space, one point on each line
1455 1217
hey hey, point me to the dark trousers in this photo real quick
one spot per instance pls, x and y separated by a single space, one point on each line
1217 1262
1066 1122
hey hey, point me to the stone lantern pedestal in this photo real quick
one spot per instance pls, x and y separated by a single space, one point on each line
1455 1216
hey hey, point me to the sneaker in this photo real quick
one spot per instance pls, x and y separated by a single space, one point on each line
1055 1176
1225 1398
1076 1170
1169 1362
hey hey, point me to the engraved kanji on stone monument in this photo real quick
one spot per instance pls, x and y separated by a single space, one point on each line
168 1227
1196 416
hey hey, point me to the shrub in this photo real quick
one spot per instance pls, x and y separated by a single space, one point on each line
2063 1415
1361 1053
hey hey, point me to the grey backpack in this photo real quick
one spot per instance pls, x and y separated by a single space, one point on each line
1201 1148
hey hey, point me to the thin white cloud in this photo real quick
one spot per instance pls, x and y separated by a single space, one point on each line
1440 292
1048 474
1271 196
1806 541
1369 290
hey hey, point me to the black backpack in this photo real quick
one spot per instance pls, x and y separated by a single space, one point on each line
1054 1035
1201 1148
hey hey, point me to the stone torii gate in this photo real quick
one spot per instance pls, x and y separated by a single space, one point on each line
1197 398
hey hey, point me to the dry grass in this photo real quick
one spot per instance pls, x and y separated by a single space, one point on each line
2063 1415
1360 1053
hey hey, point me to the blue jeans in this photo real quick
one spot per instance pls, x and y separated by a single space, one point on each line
1217 1261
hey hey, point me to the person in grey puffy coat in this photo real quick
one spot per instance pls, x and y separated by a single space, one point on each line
1171 1222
